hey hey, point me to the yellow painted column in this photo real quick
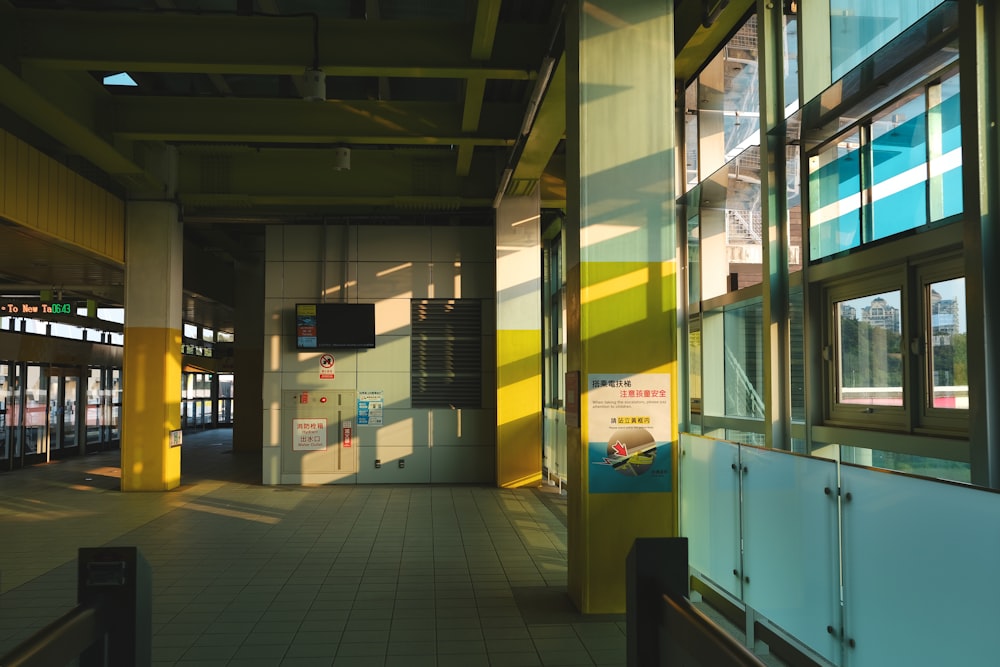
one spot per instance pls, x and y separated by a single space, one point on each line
622 289
519 342
152 366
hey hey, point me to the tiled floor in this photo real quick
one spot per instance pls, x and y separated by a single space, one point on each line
245 574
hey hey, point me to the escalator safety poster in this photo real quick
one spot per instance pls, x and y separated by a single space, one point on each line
629 433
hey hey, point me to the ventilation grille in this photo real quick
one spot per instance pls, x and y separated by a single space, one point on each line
446 353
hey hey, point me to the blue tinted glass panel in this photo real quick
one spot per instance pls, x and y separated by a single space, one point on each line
945 131
835 199
859 28
899 168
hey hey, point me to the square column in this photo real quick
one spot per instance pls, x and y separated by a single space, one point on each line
151 398
622 270
519 342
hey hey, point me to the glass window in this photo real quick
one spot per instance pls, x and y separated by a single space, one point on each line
793 203
691 136
791 63
190 331
208 335
949 378
859 28
728 101
944 131
796 350
835 198
694 367
870 369
694 261
899 168
956 471
744 377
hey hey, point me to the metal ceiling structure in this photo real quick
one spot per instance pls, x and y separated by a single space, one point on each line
443 104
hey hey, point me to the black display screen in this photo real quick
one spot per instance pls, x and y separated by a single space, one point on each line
324 326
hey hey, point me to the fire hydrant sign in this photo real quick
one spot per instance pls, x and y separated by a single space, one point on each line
629 433
326 367
309 434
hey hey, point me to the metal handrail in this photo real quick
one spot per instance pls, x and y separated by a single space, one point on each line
63 639
700 638
111 626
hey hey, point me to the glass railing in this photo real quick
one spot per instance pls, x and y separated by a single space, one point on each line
882 569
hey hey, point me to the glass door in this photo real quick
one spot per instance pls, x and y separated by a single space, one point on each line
93 424
64 388
5 436
69 401
30 403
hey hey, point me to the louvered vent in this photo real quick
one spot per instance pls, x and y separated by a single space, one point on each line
446 353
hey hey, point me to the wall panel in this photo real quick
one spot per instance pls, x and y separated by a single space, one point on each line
40 193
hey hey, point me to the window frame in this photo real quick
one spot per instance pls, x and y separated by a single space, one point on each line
934 420
885 417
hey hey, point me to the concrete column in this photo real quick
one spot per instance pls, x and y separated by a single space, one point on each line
248 351
621 287
519 342
152 364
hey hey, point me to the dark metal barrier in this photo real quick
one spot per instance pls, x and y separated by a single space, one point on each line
663 628
111 626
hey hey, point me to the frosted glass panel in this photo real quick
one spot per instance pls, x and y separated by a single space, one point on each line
710 509
920 572
790 547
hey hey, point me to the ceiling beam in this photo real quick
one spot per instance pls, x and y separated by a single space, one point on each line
484 33
304 173
300 121
72 118
548 129
230 44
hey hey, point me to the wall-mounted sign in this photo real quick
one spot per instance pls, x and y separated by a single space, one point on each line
326 362
629 433
176 438
370 405
309 434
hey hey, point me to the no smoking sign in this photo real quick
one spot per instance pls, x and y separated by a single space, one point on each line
326 367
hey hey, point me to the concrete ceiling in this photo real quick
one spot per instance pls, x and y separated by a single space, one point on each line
434 100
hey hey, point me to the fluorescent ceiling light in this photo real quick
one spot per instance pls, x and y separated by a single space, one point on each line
120 79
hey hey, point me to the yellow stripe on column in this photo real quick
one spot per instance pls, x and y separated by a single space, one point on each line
152 384
519 408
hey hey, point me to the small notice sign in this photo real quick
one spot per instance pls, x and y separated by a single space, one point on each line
309 434
326 362
370 405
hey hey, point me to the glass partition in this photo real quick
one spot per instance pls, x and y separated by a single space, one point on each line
710 509
791 556
941 584
849 562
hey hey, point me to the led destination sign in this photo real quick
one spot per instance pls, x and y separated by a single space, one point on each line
26 308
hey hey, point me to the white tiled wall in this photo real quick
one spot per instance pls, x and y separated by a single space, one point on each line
388 266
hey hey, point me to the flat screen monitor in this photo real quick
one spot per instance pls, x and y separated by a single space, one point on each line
326 326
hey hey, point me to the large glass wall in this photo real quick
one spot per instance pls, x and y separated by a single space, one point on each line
859 28
870 332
